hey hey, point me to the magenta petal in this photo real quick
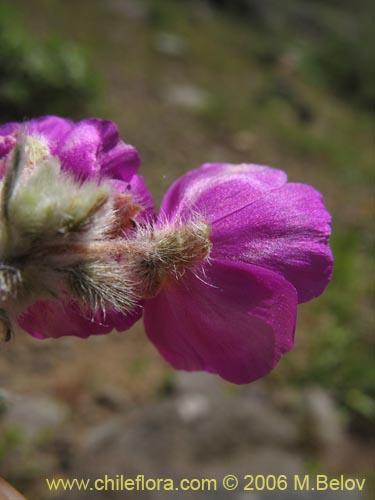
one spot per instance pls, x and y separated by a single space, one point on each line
238 325
8 128
219 185
285 230
93 148
53 319
7 140
51 128
121 162
137 187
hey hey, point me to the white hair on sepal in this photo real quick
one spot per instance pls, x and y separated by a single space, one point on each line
166 249
99 284
199 272
50 203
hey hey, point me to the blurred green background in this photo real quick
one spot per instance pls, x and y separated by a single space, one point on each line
289 84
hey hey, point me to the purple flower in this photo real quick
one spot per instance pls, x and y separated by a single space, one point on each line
234 312
90 149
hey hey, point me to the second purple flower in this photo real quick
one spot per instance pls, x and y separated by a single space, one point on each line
75 196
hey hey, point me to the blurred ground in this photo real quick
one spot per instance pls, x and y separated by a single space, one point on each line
189 84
